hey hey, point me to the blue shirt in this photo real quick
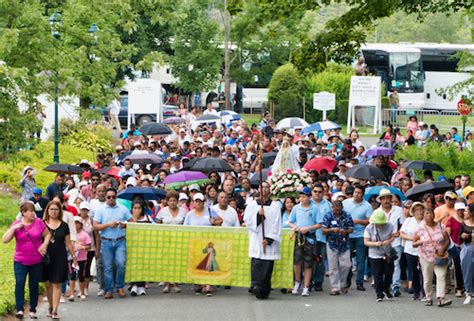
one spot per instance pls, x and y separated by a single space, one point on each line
107 214
285 219
136 132
336 241
360 211
302 217
457 138
322 209
203 220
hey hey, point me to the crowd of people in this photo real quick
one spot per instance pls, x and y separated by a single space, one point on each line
77 228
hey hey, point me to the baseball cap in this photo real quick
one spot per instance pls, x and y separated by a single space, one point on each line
38 191
118 147
467 190
451 195
305 191
84 206
194 187
131 181
198 196
341 163
78 219
459 206
183 197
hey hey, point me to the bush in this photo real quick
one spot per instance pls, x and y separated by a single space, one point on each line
39 158
286 92
85 135
452 160
7 281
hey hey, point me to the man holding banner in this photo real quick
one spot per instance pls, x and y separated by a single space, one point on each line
262 217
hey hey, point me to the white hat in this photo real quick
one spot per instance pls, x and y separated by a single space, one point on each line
198 196
421 123
78 219
194 187
183 197
131 181
84 161
84 206
384 192
137 143
119 147
26 168
459 206
336 195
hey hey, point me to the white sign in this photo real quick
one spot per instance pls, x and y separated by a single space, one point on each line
324 101
365 91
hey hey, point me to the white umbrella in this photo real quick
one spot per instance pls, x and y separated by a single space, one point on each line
292 123
206 119
229 116
321 126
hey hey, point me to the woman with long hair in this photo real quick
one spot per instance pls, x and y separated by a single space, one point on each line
466 235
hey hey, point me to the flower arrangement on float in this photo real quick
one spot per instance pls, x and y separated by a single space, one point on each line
287 184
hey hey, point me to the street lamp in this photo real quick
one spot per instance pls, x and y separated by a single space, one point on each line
54 22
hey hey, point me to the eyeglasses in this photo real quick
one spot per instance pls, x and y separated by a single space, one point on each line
94 179
317 192
111 197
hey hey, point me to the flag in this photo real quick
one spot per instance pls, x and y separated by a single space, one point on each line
198 255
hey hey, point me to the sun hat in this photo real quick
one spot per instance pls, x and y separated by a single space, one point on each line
459 206
194 187
467 190
199 197
412 208
384 192
25 169
378 217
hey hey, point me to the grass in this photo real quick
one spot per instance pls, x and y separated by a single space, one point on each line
39 158
252 118
8 211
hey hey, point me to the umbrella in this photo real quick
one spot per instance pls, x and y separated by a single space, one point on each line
268 159
229 116
255 179
320 126
112 171
379 151
208 164
144 158
64 169
174 120
320 163
185 178
375 190
433 187
147 193
292 123
150 129
206 119
424 165
367 172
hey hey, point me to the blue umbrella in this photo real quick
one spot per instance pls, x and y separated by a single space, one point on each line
375 190
320 126
147 193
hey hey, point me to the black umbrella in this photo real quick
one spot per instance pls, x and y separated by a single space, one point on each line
424 165
268 159
367 172
255 180
208 164
144 158
433 187
149 129
64 169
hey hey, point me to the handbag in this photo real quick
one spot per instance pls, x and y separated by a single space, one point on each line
46 258
391 255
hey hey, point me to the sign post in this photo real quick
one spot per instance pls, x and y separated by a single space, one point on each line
365 91
324 101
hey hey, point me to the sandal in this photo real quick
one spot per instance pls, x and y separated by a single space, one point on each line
55 316
443 302
429 303
50 313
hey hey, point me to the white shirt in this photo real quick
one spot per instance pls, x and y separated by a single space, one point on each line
115 107
210 112
165 216
409 227
95 204
396 218
229 215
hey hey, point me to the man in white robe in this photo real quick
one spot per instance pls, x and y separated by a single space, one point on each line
263 249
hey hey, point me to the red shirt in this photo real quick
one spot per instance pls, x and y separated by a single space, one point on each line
455 229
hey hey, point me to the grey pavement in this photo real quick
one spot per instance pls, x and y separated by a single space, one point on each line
237 304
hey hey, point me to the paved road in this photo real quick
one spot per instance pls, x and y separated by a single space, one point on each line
237 304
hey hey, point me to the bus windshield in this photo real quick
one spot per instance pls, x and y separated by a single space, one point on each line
406 72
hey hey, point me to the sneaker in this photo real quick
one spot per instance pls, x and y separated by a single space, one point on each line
45 299
379 299
305 292
71 298
176 289
388 295
62 299
468 299
19 315
166 289
141 291
101 292
295 288
360 287
83 297
33 315
366 278
397 293
134 290
79 295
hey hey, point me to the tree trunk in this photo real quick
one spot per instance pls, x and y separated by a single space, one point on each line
227 29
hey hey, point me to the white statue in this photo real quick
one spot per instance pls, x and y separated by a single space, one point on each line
285 159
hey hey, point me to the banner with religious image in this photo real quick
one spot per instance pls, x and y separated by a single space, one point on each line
198 255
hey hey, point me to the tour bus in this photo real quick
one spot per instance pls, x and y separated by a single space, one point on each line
400 68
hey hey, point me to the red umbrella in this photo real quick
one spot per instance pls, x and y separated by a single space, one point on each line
112 171
320 163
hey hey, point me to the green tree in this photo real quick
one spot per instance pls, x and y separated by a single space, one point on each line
286 92
197 56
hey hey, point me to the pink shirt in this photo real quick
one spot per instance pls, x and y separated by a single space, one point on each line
26 252
83 239
432 238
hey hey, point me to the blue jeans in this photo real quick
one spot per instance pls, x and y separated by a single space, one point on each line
318 268
34 273
397 270
467 259
113 253
357 245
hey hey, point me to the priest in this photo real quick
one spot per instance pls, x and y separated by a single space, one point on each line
263 223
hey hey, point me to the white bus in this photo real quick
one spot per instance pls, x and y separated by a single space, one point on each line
400 68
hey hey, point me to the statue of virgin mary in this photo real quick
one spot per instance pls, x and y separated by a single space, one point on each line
285 159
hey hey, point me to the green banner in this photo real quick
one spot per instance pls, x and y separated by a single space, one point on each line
198 255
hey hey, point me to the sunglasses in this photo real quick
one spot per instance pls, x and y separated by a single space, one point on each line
111 197
318 192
